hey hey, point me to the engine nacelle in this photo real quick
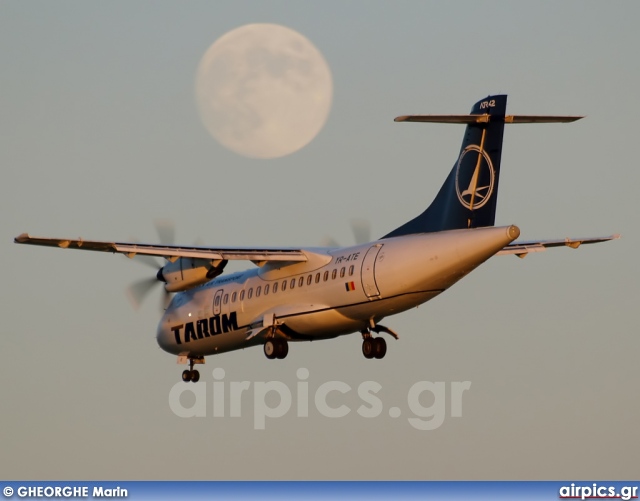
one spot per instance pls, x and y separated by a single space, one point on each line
185 273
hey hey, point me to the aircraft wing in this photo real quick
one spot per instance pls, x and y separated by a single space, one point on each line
521 249
170 252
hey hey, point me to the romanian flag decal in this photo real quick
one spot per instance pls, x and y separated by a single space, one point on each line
350 286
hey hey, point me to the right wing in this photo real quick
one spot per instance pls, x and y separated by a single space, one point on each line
521 249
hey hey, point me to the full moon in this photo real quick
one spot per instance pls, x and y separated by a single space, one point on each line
263 90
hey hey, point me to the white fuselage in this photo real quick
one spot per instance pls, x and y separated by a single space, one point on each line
335 292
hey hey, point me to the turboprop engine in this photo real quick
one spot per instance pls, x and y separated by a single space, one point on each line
185 273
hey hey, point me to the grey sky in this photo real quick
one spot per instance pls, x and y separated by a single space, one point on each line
100 136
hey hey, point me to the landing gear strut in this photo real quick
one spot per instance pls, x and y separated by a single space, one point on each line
276 348
191 374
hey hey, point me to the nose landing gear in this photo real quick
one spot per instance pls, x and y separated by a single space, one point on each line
191 374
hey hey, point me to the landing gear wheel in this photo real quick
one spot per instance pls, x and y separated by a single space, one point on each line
368 347
276 348
282 348
379 347
270 348
190 375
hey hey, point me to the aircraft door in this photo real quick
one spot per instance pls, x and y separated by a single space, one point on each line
217 302
369 285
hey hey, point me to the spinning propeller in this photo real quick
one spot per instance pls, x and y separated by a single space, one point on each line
140 289
361 229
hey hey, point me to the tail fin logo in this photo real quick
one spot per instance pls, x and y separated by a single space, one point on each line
474 177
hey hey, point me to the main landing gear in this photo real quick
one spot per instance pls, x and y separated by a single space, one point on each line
375 347
276 347
192 374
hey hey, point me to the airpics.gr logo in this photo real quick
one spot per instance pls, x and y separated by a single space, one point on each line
474 177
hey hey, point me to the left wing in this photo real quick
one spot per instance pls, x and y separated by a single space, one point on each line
521 249
170 252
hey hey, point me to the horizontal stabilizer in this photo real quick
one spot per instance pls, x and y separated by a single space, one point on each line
486 118
521 249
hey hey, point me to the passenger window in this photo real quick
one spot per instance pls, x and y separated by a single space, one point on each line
275 287
233 297
226 299
284 285
293 283
258 290
309 279
333 274
250 293
350 270
317 277
266 289
301 282
342 273
326 276
242 295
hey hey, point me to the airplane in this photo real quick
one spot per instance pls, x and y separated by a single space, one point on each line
314 293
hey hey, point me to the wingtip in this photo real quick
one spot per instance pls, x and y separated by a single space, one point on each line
22 238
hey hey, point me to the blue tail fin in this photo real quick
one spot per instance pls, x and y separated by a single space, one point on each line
468 197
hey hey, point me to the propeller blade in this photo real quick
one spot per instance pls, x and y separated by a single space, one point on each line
166 231
149 261
139 290
361 229
166 299
329 242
